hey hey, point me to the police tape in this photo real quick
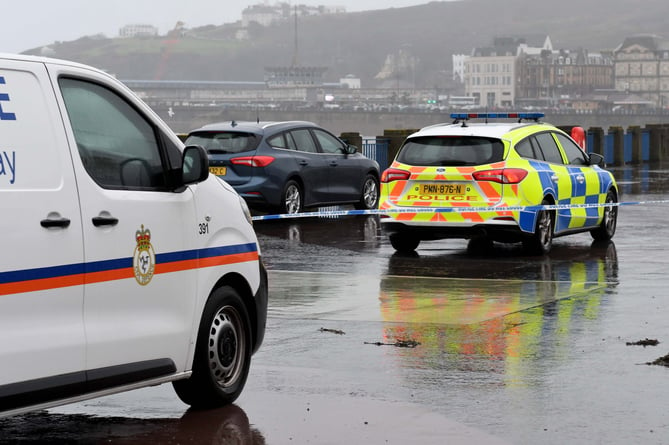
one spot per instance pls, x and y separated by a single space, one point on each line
535 208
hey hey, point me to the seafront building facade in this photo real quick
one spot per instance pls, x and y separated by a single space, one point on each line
511 73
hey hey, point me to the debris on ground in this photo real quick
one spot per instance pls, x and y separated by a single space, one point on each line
644 343
334 331
397 344
662 361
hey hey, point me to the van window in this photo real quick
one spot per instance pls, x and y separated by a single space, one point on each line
117 145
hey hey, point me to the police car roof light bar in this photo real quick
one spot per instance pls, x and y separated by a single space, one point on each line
462 117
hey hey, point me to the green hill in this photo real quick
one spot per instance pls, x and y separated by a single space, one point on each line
359 43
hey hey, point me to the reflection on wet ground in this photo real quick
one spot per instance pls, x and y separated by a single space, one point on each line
228 425
647 179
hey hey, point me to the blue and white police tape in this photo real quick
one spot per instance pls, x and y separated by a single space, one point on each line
332 213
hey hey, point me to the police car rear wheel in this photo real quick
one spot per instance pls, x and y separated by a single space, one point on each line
370 194
607 228
222 353
540 242
404 243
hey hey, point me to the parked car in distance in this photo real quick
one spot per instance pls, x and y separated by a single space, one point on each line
499 170
287 167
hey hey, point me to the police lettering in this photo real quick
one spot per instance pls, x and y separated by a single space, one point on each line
4 97
440 198
8 165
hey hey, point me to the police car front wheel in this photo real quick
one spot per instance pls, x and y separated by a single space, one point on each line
222 353
541 241
607 228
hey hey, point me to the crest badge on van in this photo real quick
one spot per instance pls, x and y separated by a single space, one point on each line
144 258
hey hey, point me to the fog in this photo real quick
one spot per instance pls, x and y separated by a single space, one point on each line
33 23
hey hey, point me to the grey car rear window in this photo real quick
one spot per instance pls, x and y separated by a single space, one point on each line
224 142
451 151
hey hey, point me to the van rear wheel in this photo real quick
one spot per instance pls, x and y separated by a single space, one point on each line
222 353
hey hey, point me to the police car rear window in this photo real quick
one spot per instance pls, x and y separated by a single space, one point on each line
451 151
220 142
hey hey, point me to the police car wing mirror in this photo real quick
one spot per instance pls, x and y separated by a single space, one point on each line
195 165
596 159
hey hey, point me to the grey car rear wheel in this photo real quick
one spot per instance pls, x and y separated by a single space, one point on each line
291 199
370 194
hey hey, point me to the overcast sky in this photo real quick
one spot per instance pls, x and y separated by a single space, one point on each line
28 24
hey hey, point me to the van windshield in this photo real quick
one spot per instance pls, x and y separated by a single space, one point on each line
451 151
217 142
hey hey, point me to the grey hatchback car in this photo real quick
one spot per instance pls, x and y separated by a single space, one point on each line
287 167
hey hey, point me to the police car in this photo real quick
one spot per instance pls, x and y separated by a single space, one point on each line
519 181
124 262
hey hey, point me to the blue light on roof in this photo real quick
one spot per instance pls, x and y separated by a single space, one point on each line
466 116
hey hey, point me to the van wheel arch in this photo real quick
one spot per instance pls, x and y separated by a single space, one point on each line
223 349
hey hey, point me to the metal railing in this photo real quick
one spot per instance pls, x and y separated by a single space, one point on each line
377 149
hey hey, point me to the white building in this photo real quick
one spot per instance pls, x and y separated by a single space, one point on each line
138 30
490 72
265 14
350 81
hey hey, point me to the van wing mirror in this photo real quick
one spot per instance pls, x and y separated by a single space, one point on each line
195 165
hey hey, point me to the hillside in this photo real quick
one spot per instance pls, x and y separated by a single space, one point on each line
359 43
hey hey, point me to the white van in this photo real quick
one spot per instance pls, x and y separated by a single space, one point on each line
123 263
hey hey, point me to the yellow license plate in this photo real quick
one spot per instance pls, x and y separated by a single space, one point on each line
218 171
442 189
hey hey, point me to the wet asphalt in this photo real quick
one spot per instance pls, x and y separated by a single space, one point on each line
444 346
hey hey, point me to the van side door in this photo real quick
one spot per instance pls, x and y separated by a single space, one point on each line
41 259
139 232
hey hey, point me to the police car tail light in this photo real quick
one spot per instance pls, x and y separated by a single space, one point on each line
395 174
501 175
253 161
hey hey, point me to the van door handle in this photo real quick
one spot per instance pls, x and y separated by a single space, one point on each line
99 221
52 222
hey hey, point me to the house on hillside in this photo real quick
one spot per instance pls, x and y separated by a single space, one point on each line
138 30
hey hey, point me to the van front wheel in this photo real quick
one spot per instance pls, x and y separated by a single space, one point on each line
222 353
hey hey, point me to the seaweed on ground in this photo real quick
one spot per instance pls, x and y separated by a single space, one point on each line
662 361
644 343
